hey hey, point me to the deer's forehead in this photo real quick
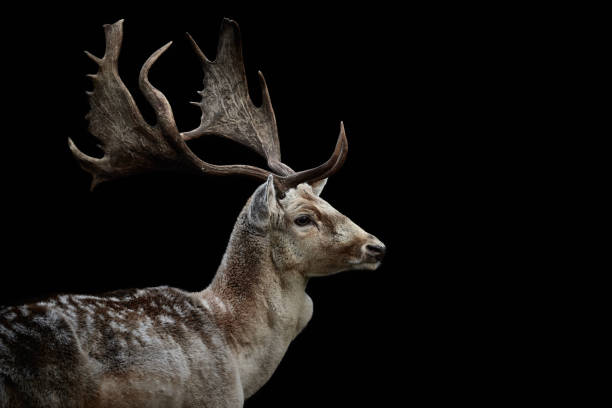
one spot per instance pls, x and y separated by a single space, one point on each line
303 199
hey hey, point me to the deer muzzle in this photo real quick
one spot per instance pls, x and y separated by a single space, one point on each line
374 249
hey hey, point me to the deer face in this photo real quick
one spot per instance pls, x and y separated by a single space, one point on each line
306 233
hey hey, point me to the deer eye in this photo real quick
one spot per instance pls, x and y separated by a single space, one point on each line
302 220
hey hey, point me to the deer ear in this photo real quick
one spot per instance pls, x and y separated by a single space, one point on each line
263 204
317 186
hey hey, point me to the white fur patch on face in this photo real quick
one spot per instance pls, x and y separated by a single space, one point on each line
302 194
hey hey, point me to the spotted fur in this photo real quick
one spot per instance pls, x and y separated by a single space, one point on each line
164 347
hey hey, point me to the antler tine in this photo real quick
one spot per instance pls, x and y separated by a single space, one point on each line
131 145
330 167
157 100
274 162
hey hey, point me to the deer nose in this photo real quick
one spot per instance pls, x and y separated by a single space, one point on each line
377 251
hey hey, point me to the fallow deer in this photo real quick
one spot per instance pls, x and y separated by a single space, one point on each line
165 347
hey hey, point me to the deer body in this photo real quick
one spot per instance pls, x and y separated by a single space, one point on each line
164 347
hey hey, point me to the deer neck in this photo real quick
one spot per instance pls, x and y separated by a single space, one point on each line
259 307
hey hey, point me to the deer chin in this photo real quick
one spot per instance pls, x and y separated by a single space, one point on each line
365 265
368 266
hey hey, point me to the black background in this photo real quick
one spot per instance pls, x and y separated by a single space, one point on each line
430 101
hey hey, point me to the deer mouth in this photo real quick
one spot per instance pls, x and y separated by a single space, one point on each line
368 264
373 259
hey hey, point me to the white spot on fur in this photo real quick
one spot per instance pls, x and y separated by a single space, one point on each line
89 324
118 326
88 308
71 313
24 310
85 297
7 332
141 332
10 316
178 310
220 303
166 319
3 348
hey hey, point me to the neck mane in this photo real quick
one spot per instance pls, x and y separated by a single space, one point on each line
259 307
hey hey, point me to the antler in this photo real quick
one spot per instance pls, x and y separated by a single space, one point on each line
132 146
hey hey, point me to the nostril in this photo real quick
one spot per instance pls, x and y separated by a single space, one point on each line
377 250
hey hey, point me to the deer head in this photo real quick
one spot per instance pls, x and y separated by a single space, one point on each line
304 232
307 234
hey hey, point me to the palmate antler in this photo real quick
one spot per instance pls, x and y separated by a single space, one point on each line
132 146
